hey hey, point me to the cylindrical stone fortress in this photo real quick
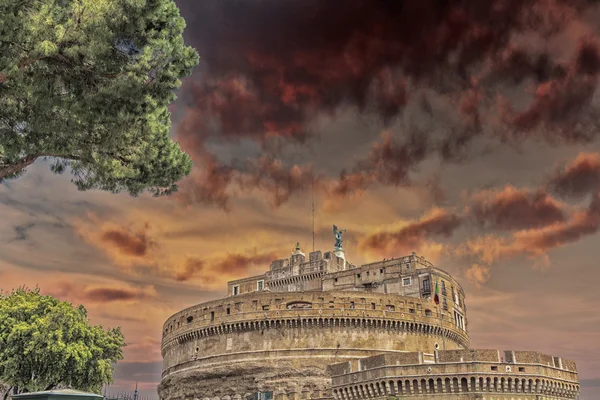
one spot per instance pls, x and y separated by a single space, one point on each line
280 331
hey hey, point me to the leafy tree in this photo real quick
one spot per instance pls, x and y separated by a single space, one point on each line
46 343
87 83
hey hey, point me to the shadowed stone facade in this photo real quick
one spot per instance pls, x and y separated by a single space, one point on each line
302 328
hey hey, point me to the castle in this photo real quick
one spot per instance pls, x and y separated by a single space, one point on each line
318 327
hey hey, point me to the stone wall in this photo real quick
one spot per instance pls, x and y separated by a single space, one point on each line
285 341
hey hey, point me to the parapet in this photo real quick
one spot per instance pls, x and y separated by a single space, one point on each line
457 371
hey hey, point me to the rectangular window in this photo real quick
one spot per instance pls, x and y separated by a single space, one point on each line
443 288
228 310
428 313
406 281
351 304
335 280
390 307
236 290
254 304
494 368
358 276
266 307
411 310
372 306
238 307
521 369
381 271
212 316
445 305
260 285
426 286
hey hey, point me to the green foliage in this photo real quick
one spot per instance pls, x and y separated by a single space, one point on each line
88 82
45 342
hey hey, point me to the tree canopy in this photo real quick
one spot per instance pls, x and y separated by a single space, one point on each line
88 82
45 342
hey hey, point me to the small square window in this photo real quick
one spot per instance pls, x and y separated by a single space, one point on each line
494 368
265 307
358 276
521 369
411 310
406 281
351 304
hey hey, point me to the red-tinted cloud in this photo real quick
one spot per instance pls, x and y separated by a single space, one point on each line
513 209
131 243
437 223
582 223
579 177
100 294
269 68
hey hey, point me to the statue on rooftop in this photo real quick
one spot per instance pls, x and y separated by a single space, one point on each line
338 237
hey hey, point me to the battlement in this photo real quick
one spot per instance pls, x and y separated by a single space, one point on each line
461 371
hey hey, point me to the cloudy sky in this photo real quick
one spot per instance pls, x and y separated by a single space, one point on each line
466 131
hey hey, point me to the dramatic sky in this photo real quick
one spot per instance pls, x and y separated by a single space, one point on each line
466 131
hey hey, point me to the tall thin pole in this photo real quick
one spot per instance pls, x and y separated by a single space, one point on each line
437 278
313 214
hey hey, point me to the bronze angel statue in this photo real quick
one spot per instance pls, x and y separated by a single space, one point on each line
338 237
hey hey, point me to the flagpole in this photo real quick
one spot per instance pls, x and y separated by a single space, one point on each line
437 278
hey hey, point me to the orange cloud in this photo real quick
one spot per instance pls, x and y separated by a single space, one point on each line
437 222
144 249
579 177
511 208
478 274
535 242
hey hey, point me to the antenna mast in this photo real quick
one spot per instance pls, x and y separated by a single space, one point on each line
313 214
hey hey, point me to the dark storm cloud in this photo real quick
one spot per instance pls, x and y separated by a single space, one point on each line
268 68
